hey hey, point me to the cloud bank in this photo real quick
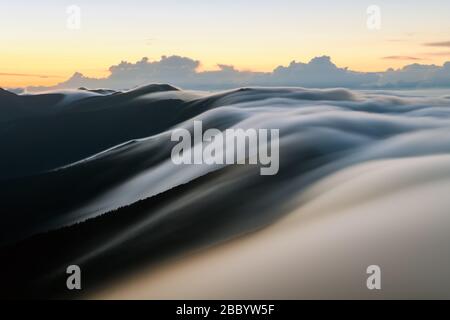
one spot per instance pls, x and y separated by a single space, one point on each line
320 72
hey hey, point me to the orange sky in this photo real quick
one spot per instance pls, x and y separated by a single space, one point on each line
38 48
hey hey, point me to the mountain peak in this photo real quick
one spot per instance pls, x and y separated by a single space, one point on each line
151 88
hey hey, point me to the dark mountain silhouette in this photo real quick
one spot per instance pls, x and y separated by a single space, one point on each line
16 107
39 135
191 226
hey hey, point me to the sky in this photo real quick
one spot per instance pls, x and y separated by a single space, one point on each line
37 48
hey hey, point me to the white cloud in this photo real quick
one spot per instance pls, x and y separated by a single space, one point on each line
320 72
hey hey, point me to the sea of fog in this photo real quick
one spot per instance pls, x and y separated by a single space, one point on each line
363 180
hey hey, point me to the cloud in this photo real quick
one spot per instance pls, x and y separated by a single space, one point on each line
417 76
439 54
438 44
43 76
128 75
319 72
401 58
396 40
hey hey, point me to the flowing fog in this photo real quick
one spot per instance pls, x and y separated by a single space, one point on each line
363 180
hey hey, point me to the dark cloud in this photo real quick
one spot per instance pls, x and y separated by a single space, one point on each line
401 58
438 44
